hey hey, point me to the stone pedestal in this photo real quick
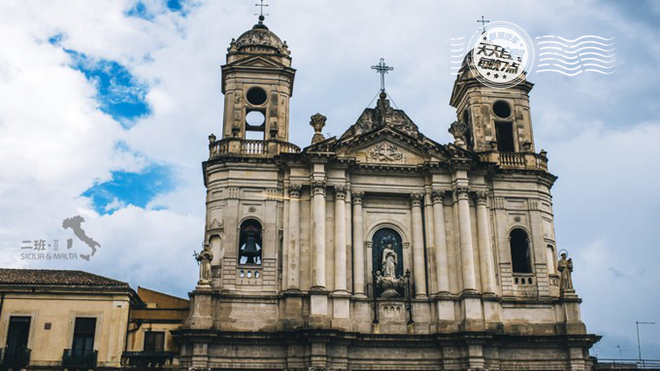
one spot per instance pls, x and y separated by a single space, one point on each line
201 306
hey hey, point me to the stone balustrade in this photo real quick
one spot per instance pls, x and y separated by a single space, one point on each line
250 148
516 160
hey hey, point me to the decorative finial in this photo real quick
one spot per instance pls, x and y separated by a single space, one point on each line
382 69
261 11
317 122
483 23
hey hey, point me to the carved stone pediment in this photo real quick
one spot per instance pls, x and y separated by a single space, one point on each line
385 152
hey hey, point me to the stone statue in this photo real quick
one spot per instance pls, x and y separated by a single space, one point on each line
204 258
389 261
565 268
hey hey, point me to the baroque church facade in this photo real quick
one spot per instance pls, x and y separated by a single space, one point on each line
380 249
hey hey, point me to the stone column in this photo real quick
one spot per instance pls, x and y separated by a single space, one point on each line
340 239
318 229
419 273
358 245
485 250
293 257
440 241
465 230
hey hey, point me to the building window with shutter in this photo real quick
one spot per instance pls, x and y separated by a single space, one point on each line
154 341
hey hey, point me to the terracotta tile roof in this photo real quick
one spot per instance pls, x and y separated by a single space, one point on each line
55 277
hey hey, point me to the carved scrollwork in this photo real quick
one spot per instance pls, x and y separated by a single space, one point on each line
340 192
357 197
386 152
438 196
318 187
462 192
416 199
294 190
481 197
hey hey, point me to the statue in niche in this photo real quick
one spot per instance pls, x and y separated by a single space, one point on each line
204 259
390 261
386 278
565 268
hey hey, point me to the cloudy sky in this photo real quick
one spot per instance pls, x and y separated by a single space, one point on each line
105 109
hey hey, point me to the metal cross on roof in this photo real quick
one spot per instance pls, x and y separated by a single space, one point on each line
382 69
483 23
261 12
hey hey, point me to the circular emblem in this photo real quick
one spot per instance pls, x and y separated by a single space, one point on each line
502 53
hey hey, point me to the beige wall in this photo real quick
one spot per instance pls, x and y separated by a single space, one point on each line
110 311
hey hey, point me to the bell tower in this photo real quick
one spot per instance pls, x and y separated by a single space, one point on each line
257 82
488 118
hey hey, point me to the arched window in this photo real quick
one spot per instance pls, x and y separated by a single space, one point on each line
249 245
520 254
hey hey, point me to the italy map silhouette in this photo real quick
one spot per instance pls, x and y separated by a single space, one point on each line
75 224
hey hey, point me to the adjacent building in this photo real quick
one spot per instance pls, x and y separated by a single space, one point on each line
63 319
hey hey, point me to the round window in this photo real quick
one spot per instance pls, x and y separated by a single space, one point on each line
256 96
502 109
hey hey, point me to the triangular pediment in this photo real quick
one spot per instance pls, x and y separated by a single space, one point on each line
258 61
389 146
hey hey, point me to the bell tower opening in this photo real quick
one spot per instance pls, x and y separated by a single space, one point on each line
249 250
255 125
492 119
504 135
257 82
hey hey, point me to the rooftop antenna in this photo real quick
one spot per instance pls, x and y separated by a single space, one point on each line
483 24
639 344
261 10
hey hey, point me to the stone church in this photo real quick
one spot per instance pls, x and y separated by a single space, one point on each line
380 249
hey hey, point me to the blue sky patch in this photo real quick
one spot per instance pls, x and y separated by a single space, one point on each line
140 10
128 188
119 93
175 5
56 39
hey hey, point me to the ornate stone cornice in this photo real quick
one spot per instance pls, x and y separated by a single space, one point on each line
438 196
340 192
294 190
357 197
481 197
416 199
318 187
462 192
